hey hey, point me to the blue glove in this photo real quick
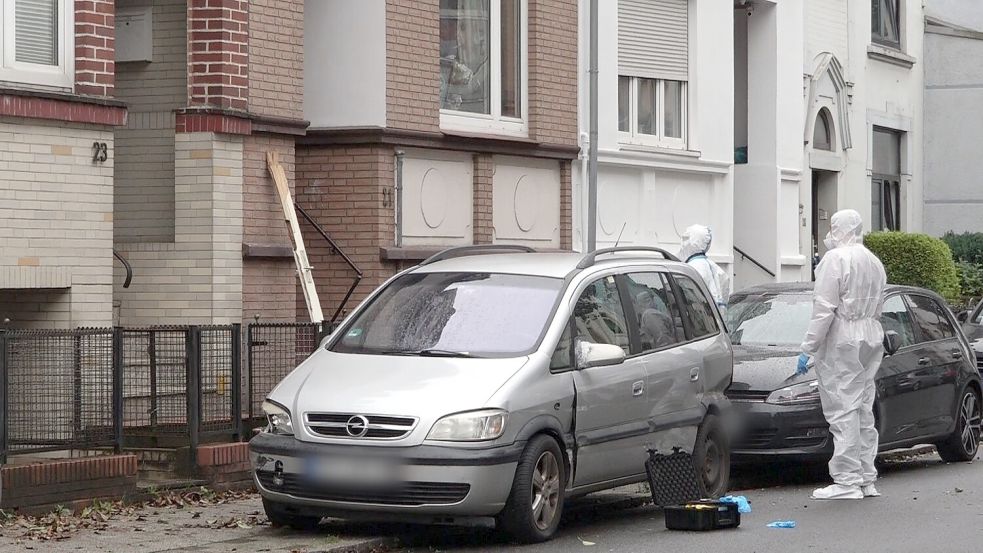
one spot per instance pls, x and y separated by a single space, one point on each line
803 366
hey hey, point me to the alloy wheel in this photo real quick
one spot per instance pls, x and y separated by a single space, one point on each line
969 422
546 490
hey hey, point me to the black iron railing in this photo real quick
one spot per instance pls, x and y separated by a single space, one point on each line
115 388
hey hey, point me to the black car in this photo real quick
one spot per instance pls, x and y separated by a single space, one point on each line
928 388
973 328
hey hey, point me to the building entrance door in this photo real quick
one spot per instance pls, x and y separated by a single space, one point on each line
823 208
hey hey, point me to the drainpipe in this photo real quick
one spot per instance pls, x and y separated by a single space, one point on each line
592 155
399 197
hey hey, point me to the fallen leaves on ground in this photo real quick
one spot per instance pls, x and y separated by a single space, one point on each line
61 523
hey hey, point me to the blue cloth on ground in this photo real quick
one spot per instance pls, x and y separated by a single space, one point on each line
782 524
743 505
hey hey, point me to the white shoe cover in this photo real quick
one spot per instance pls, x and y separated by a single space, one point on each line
838 491
870 491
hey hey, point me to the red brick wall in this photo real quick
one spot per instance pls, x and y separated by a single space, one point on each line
342 188
276 58
553 71
95 47
566 206
413 64
484 171
268 285
36 486
218 53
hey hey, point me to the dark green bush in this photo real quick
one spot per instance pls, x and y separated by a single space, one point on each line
970 279
967 246
916 260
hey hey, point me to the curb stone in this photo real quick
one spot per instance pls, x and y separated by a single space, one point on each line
370 545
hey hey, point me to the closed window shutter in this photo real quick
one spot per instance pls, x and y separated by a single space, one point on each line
653 39
36 31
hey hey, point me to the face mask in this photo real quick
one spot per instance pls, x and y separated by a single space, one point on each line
829 242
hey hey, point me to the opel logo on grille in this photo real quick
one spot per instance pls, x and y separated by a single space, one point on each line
357 426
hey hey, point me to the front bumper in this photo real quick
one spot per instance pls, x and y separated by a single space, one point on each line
781 432
432 481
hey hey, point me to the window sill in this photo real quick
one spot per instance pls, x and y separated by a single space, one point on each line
647 149
452 122
890 55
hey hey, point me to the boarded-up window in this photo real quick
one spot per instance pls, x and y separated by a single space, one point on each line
653 39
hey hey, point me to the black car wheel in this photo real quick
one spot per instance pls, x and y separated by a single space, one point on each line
532 513
281 516
711 457
964 442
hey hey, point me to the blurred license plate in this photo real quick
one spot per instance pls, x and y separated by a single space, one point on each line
345 471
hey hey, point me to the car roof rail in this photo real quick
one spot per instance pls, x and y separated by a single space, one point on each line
591 258
463 251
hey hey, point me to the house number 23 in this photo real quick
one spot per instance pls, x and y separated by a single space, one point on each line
100 152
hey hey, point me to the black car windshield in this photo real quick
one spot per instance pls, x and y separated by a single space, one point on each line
454 314
769 319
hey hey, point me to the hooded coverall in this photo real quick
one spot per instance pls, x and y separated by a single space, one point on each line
846 339
696 243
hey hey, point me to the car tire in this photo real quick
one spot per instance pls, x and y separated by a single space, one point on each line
532 512
281 516
711 458
964 442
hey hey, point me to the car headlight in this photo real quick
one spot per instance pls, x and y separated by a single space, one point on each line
474 426
798 394
278 419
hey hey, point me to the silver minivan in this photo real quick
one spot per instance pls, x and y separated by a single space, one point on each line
495 386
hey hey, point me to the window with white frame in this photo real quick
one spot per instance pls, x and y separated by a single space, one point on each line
652 111
885 23
653 67
483 65
37 43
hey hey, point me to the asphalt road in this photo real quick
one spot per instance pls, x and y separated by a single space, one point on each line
927 506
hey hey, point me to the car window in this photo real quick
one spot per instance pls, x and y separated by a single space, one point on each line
599 317
931 319
773 319
697 307
481 314
896 317
979 316
659 322
561 355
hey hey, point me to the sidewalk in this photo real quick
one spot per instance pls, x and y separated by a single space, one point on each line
236 525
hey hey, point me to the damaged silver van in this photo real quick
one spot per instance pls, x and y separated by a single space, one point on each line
495 386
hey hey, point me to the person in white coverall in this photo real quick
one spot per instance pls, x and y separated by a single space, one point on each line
696 244
846 340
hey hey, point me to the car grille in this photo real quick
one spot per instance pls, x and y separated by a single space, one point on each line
747 395
405 494
380 427
759 438
979 361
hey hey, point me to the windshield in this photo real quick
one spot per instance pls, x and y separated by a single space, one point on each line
463 314
769 319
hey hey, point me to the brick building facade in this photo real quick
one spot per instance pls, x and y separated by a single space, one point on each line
152 141
395 172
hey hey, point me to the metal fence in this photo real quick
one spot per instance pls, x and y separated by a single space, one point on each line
273 350
90 389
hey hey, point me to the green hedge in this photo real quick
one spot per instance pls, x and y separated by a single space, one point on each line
916 260
967 247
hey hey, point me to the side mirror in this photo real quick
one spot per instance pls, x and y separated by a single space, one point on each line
963 316
598 355
892 342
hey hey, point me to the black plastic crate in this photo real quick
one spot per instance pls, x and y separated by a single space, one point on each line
672 478
702 516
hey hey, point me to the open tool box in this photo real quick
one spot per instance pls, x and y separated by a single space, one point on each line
676 488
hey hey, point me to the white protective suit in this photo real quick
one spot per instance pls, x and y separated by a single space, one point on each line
696 243
846 339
